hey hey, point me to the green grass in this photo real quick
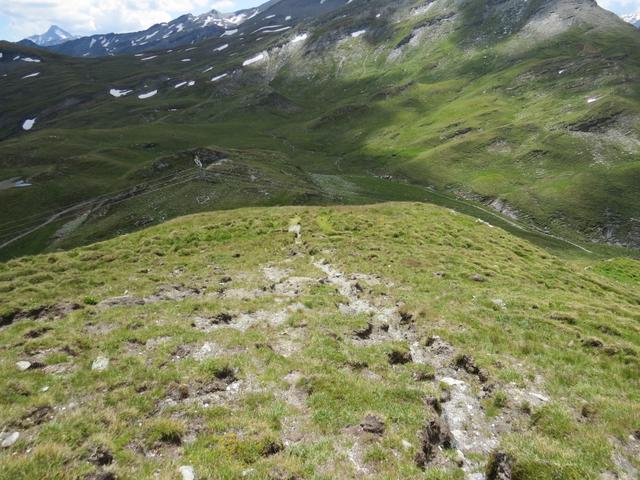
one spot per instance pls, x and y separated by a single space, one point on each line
145 410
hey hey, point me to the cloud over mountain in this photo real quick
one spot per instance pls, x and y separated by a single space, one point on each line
23 18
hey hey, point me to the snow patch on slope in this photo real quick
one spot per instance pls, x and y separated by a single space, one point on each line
253 60
300 38
114 92
28 124
219 77
144 96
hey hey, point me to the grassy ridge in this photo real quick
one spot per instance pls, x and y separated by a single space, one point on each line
302 384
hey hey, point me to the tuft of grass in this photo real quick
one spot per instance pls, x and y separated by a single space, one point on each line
164 430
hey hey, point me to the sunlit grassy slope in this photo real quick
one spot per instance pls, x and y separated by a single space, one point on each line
238 349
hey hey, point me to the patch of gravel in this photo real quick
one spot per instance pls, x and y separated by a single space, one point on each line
174 293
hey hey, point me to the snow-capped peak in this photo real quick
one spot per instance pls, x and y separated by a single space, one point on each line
54 36
224 20
632 18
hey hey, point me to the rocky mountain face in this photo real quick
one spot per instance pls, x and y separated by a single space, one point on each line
54 36
185 30
190 29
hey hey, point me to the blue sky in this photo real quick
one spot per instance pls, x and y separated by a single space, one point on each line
21 18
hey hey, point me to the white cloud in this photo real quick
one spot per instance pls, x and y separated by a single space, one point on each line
85 17
223 5
621 6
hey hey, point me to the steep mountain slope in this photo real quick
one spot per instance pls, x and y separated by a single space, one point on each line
54 36
185 30
189 29
378 342
633 19
528 107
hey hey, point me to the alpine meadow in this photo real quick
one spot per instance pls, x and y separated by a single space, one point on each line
324 239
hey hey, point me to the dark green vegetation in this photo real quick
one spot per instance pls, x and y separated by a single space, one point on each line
532 107
237 351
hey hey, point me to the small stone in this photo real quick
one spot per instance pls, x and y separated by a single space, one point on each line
10 439
187 472
498 302
372 424
452 382
540 397
23 365
406 445
295 229
100 364
476 277
459 458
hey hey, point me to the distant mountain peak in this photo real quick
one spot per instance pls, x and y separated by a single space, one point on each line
632 18
54 36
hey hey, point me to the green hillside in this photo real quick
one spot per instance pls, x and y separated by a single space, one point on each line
527 108
367 239
379 341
